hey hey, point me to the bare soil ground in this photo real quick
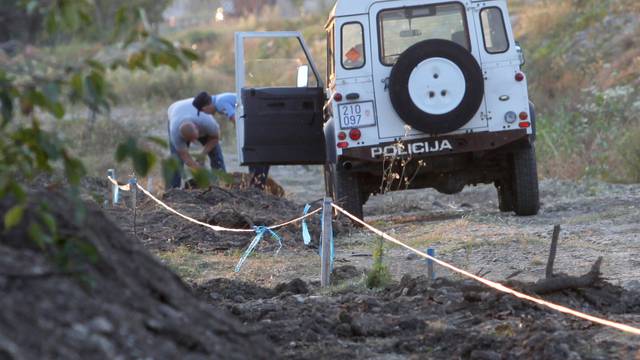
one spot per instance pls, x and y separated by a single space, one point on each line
415 319
101 295
410 318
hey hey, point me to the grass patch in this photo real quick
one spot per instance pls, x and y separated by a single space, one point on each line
188 264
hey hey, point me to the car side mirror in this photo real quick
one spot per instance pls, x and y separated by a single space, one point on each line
303 76
523 61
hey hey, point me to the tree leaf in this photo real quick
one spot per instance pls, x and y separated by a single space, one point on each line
126 149
223 176
57 109
202 177
49 221
13 217
74 170
38 236
169 168
143 161
158 141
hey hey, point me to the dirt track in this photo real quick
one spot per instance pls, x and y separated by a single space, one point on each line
467 229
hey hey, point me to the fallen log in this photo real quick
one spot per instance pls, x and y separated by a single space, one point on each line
561 282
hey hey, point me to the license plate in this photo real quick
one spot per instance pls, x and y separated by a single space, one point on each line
355 115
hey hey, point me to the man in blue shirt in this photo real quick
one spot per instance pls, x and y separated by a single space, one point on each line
225 104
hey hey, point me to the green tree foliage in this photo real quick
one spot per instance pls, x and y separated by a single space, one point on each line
36 21
31 84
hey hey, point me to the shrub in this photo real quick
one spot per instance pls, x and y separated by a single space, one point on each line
379 275
629 151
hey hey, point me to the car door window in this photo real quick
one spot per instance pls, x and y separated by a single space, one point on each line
274 62
494 31
353 53
399 29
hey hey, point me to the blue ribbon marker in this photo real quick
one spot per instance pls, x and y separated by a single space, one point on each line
260 231
306 237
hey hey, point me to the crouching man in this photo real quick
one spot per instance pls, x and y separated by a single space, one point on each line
186 125
225 104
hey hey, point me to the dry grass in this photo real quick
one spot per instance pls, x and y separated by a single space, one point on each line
263 269
540 17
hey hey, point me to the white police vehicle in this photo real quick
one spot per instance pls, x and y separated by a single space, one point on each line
419 94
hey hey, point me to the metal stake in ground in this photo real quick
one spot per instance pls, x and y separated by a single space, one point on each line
133 184
326 243
115 190
431 272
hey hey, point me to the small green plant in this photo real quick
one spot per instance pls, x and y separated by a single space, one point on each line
379 275
629 151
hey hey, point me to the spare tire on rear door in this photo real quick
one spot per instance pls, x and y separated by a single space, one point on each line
436 86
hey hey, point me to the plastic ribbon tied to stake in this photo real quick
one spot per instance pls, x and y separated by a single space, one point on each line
260 231
306 237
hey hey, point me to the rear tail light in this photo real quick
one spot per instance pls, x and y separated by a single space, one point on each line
343 145
337 97
355 134
519 76
524 116
525 125
342 136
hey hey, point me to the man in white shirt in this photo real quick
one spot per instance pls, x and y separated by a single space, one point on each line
186 125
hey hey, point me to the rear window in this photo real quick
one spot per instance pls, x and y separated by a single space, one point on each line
353 56
402 28
494 31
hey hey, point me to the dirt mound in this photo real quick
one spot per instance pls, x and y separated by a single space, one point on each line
121 304
237 209
443 320
242 181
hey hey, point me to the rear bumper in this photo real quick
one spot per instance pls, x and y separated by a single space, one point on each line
437 146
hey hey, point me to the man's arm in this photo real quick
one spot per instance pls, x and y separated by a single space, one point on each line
212 142
188 160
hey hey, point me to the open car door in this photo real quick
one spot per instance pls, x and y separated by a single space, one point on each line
279 118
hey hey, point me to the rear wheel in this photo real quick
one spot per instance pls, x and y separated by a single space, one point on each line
526 196
505 195
346 189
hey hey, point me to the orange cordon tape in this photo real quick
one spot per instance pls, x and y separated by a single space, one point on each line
126 187
495 285
219 228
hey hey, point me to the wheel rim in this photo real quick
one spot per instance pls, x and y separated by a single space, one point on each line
437 86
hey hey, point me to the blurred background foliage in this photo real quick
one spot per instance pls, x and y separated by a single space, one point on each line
583 69
36 87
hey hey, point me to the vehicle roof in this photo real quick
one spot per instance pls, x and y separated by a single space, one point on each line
353 7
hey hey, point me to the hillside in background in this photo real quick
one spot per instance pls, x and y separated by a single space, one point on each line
584 70
583 67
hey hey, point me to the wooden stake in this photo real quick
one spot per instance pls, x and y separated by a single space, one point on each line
552 251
